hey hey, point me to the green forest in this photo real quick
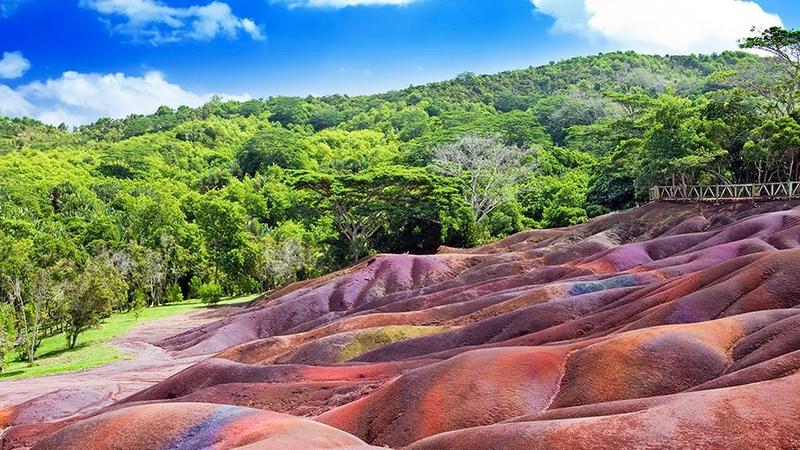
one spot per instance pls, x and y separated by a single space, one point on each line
234 198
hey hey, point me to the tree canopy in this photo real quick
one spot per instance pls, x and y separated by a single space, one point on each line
236 197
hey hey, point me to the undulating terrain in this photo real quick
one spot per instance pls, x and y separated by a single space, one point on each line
662 326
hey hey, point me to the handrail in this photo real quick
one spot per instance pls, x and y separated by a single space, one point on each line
726 192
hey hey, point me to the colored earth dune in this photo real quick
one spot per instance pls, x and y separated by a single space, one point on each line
667 326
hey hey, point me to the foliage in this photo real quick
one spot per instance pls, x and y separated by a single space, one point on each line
784 70
96 292
138 303
774 150
7 332
489 168
210 293
238 197
173 293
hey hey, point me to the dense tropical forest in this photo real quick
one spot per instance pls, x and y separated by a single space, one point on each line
242 197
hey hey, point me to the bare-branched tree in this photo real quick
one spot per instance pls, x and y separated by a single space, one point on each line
777 78
43 290
489 166
280 262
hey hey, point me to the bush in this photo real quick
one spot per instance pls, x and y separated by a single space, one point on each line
7 332
173 293
139 303
194 287
564 216
93 296
210 293
596 210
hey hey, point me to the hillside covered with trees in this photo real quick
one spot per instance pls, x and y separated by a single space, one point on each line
241 197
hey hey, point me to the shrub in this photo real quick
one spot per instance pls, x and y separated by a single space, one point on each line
173 293
93 296
7 332
564 216
194 287
139 303
210 293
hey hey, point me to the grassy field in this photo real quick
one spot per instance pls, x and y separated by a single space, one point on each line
94 347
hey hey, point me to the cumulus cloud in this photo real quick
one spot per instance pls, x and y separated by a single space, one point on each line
13 65
78 98
338 4
660 26
157 23
12 103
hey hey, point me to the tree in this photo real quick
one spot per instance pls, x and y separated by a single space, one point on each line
152 275
158 224
274 146
366 203
285 255
774 150
97 290
735 115
780 43
288 110
7 332
139 303
223 224
678 146
489 167
574 107
16 269
632 103
323 117
784 46
387 200
42 290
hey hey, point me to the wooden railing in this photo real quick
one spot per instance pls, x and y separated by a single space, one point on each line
726 192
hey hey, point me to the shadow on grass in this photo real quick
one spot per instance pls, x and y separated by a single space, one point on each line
59 352
10 374
43 357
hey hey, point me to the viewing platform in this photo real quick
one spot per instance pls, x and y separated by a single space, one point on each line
726 192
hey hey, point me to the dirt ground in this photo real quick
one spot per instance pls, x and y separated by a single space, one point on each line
96 388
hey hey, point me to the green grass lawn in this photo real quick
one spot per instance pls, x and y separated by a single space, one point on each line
94 348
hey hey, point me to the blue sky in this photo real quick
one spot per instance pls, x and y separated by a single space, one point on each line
77 60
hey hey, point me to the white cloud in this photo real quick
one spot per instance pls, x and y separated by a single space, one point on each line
78 98
660 26
12 103
13 65
338 4
157 23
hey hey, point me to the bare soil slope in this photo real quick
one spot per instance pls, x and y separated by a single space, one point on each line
667 326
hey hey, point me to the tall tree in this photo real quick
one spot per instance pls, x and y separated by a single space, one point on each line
678 146
95 293
223 224
43 290
489 167
16 269
774 150
7 332
779 80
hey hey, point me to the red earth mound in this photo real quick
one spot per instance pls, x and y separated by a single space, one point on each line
667 326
